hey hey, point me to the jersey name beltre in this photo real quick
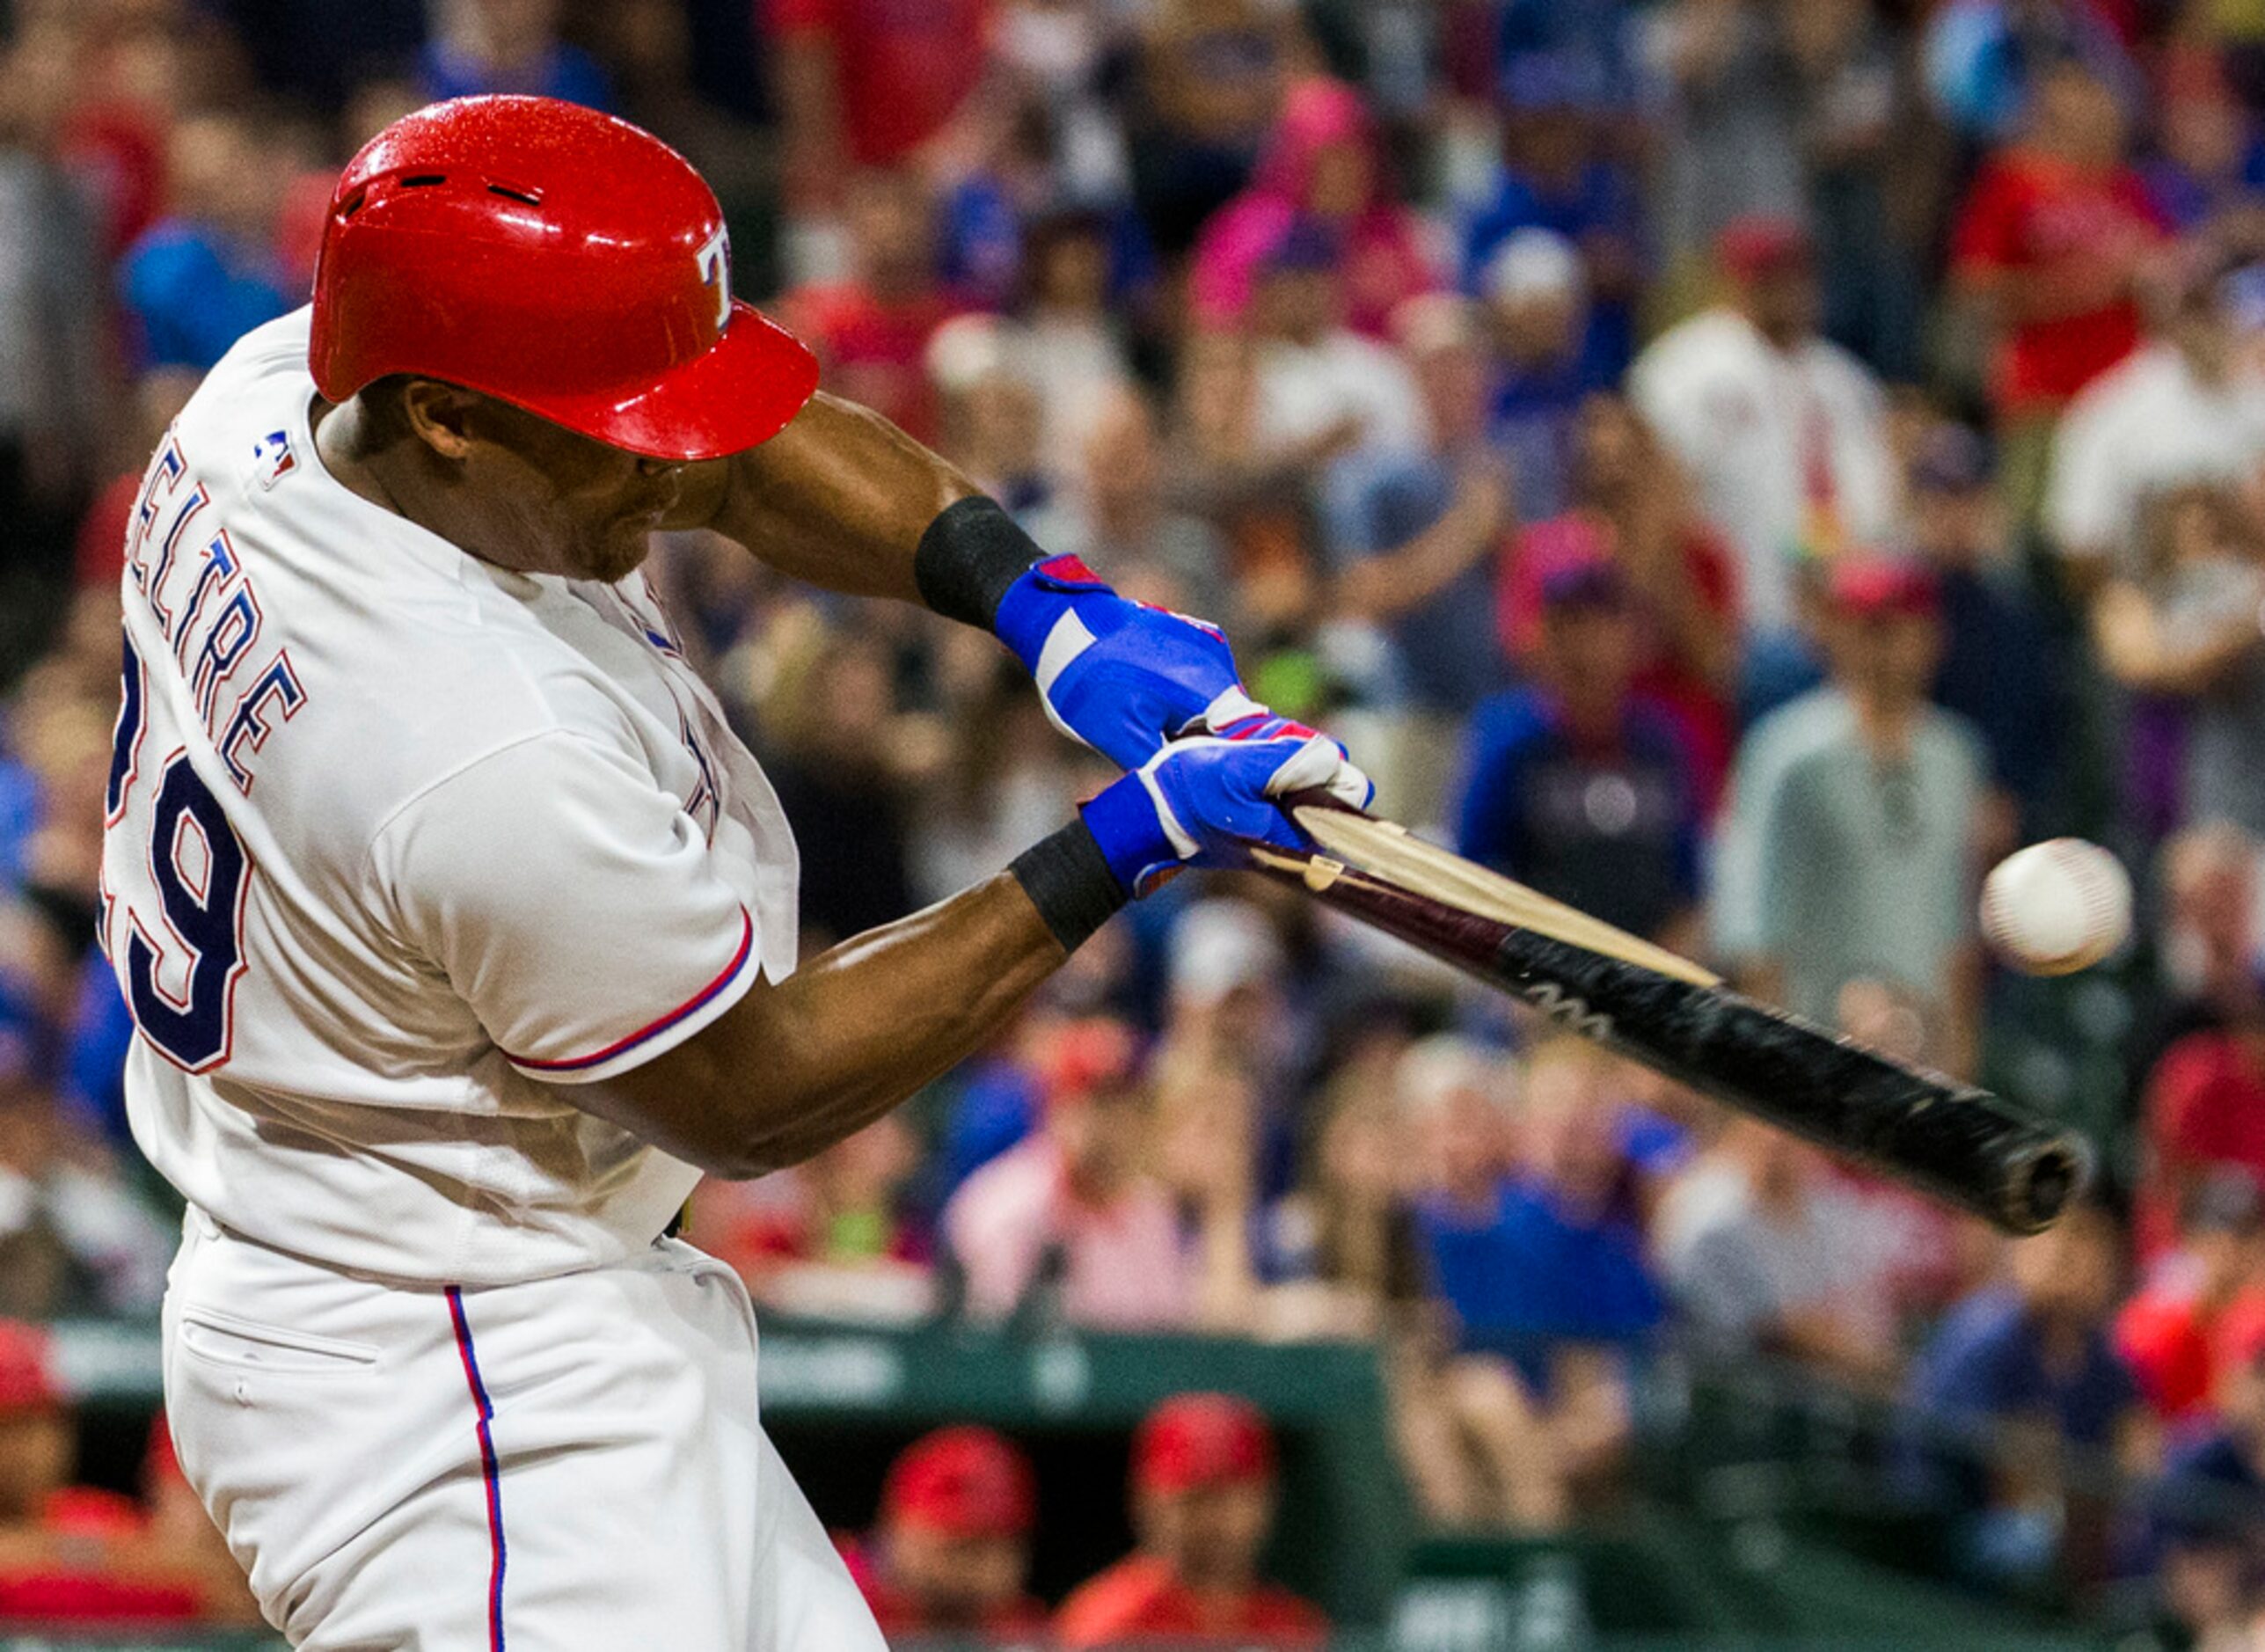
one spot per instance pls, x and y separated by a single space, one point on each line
206 605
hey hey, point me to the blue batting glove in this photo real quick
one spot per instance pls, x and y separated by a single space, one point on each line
1120 676
1199 799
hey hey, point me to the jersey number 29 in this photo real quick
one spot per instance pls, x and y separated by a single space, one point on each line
199 869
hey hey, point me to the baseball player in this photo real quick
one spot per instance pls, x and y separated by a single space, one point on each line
459 930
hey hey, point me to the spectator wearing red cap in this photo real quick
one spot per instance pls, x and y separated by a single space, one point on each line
73 1554
2171 1333
1071 1208
1848 849
2203 1110
952 1550
1203 1490
1631 503
1782 433
2050 242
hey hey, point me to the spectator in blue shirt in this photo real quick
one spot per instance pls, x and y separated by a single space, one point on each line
95 1047
1412 537
490 45
2209 160
1536 298
1555 175
19 817
1542 1268
1982 58
2025 1370
1577 787
202 277
1587 41
2000 668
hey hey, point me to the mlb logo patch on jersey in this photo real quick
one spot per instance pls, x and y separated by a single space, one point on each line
272 458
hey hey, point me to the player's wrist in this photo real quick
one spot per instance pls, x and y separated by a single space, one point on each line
1046 615
968 558
1070 882
1133 828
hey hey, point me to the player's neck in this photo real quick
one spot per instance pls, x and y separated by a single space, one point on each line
343 441
388 475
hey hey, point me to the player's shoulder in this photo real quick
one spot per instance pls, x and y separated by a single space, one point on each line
444 690
414 657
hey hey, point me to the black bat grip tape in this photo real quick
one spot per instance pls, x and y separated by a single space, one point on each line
1962 1145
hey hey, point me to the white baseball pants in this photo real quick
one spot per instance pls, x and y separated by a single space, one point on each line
572 1465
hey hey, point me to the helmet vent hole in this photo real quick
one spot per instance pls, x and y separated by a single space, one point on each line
509 194
353 203
423 180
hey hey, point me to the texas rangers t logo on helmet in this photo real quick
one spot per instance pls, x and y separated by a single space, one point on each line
715 256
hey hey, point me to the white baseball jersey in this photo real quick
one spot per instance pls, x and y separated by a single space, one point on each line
400 845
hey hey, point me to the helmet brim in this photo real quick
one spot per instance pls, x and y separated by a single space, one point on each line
741 392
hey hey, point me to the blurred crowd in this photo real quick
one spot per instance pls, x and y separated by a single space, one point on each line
1739 466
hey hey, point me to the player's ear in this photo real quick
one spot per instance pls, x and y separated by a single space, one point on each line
437 414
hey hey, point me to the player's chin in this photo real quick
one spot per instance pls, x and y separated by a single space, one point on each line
617 552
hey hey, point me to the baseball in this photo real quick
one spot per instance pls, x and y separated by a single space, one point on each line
2056 907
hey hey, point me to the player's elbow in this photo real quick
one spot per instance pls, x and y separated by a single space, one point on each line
713 1115
739 1134
748 1128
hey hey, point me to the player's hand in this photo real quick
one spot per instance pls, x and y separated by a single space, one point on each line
1120 676
1198 800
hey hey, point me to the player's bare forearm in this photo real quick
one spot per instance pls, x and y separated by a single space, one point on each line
845 499
795 1067
839 498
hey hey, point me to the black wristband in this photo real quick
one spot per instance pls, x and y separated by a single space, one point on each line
1068 881
966 559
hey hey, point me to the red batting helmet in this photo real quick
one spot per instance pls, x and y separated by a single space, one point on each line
556 259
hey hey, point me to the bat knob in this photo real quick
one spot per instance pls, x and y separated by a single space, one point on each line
2041 1184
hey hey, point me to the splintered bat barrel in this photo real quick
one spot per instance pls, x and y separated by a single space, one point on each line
1961 1144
